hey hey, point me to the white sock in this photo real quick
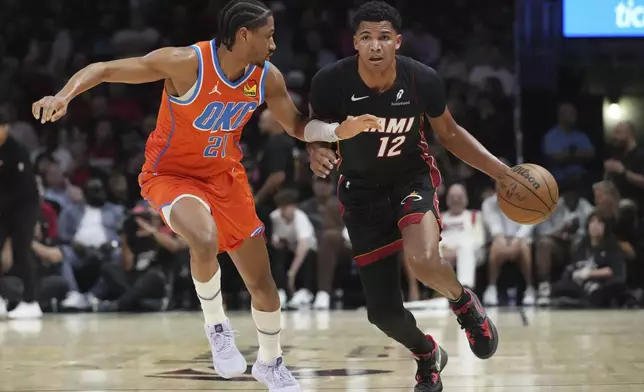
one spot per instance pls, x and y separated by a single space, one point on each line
268 333
209 294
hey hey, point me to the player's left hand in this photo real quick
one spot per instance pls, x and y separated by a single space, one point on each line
322 159
355 125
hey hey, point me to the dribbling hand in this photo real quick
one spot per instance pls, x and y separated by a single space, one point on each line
355 125
322 159
49 108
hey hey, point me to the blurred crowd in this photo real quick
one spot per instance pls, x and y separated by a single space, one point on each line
102 248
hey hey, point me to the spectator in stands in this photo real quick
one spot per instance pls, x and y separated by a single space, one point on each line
510 244
90 233
493 67
559 236
463 235
316 206
58 191
146 261
625 166
419 44
625 226
49 257
599 271
334 251
295 246
567 148
276 166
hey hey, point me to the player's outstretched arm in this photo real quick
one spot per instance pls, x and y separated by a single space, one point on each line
302 127
165 63
451 135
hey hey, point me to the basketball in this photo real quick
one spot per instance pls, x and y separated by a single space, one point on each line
528 195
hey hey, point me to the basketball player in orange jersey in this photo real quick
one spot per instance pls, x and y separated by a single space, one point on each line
193 176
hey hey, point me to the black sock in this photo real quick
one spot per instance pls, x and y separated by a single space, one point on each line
426 346
461 301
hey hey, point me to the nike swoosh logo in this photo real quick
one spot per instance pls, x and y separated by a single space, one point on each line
354 98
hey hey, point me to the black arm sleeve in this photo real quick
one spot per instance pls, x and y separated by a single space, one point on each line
431 90
324 99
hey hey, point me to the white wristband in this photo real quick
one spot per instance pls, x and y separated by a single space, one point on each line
319 131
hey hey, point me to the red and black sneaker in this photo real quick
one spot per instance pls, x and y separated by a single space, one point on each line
480 330
430 366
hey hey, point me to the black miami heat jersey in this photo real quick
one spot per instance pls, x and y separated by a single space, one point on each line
381 156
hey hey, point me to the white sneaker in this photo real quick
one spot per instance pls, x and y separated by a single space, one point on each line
322 301
543 298
75 300
301 299
3 308
490 296
275 376
529 296
26 310
226 358
283 299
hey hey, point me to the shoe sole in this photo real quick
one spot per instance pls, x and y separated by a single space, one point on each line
229 376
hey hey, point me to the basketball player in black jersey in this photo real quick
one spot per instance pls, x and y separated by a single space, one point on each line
388 183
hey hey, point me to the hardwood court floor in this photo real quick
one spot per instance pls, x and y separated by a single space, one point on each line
561 351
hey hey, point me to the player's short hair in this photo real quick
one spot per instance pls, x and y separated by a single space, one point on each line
286 197
236 14
377 11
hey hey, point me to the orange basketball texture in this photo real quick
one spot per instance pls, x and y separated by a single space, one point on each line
528 195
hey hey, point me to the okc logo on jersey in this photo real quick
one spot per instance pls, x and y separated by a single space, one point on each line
250 88
225 117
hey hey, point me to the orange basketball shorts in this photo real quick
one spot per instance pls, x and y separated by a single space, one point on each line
226 195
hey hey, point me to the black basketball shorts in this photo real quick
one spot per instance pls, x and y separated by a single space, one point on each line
375 214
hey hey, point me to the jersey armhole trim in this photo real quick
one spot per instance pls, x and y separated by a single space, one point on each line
190 96
262 82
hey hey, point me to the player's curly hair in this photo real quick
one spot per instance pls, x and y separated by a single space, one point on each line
377 11
236 14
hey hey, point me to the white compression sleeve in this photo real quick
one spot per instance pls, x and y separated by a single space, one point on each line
319 131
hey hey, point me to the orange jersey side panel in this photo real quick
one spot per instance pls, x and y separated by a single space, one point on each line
197 135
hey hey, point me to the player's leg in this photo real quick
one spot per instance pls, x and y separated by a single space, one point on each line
251 260
376 243
189 216
243 238
416 205
22 224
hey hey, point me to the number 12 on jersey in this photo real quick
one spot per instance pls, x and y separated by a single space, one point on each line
390 149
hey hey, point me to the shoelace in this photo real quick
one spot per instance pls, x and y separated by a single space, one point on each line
281 376
471 322
222 341
427 371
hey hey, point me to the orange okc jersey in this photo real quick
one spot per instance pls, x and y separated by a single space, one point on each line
198 134
194 151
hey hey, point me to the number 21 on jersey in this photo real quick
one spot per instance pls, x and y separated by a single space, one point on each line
390 147
217 147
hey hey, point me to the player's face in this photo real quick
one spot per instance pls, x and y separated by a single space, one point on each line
260 43
376 43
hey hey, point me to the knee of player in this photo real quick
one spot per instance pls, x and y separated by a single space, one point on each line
261 286
203 243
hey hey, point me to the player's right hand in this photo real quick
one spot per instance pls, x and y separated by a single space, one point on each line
355 125
322 159
49 108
